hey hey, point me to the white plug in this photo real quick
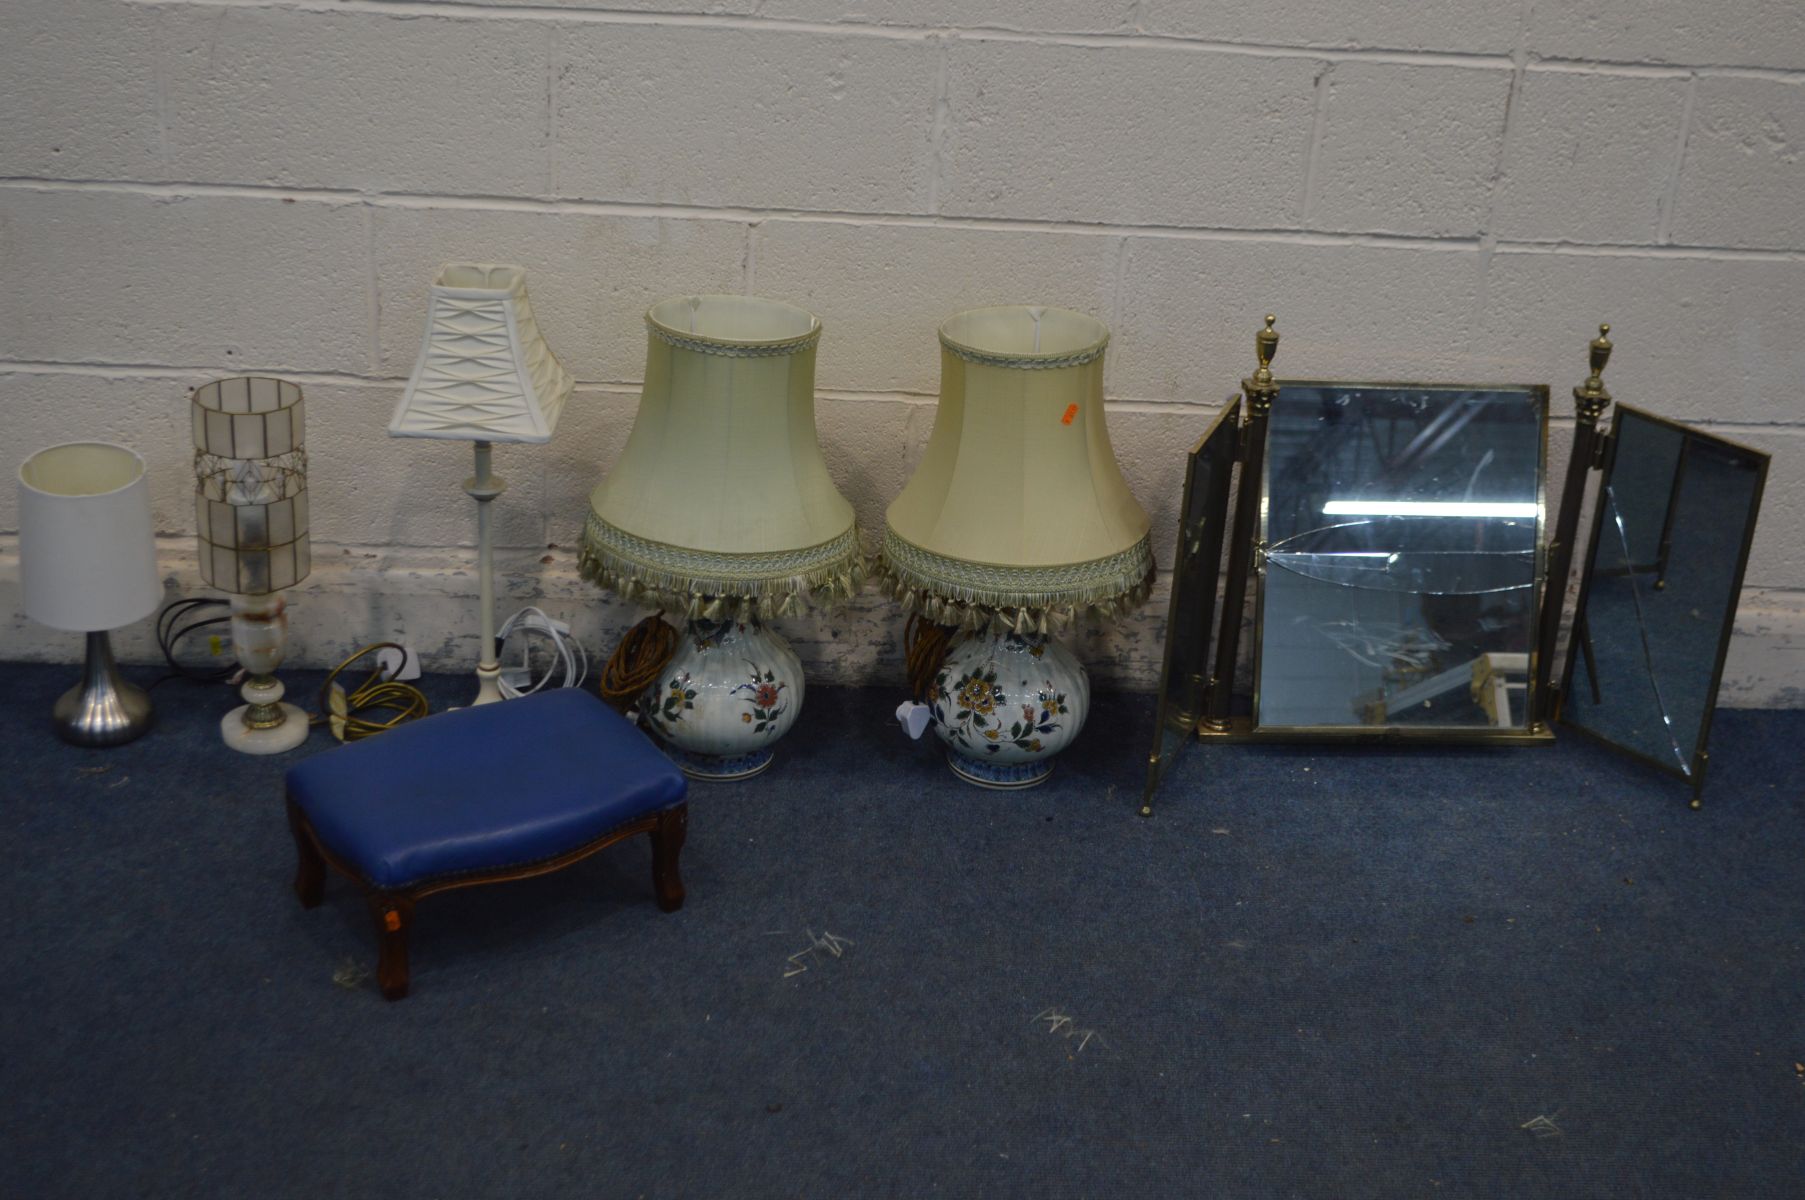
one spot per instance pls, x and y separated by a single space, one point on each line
913 718
400 664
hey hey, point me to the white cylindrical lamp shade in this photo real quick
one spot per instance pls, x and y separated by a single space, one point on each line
250 496
87 550
1018 513
721 503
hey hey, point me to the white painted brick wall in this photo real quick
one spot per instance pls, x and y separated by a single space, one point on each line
1408 149
1450 190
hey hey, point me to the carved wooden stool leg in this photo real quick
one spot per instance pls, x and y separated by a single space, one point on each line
667 844
393 914
310 873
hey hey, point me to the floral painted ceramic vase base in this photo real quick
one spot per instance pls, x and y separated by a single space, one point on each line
730 691
1005 704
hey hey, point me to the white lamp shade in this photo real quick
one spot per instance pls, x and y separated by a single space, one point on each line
87 550
721 490
485 373
1018 503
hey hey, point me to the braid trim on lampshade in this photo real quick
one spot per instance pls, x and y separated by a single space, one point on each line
715 586
975 597
708 345
1031 362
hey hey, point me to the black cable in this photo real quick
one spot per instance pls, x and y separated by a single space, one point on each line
170 633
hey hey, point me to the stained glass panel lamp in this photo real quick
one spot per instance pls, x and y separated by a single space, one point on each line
721 509
250 501
1016 522
484 375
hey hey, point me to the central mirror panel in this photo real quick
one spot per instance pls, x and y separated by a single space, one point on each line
1400 565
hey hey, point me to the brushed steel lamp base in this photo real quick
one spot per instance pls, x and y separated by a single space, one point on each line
103 709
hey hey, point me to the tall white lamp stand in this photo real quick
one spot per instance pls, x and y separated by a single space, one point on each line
483 487
484 375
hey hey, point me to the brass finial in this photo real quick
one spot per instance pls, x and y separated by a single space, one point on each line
1265 345
1258 387
1590 397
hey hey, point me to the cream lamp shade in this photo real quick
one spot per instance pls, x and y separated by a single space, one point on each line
87 550
250 492
1018 516
484 371
721 505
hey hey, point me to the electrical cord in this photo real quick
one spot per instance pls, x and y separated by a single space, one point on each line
925 647
342 712
637 662
569 654
171 631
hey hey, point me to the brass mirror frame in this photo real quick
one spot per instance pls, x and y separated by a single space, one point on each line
1603 459
1201 537
1533 729
1246 560
1591 451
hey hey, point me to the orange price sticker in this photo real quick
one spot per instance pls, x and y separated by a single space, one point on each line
1071 411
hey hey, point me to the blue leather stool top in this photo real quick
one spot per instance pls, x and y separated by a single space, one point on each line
483 789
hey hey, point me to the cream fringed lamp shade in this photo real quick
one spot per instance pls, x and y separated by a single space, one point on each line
1018 516
721 506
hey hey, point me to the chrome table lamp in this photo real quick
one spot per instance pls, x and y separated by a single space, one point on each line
484 375
721 508
250 508
1017 520
88 563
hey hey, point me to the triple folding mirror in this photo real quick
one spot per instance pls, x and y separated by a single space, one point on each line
1406 586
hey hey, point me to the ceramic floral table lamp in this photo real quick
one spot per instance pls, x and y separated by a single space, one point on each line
1016 522
721 509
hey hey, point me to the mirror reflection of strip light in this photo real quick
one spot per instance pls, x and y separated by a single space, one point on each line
1427 508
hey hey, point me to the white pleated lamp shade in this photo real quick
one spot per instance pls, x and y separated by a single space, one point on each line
721 504
1018 514
87 549
485 373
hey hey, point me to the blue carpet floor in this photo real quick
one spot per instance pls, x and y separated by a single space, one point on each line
1316 972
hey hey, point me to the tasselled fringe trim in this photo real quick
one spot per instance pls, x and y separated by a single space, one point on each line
983 610
688 595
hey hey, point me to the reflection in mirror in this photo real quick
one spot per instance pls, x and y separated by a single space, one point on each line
1401 565
1190 614
1675 511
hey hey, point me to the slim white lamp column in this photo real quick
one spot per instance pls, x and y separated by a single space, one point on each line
484 375
483 487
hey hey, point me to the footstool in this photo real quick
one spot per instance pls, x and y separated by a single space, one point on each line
481 795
